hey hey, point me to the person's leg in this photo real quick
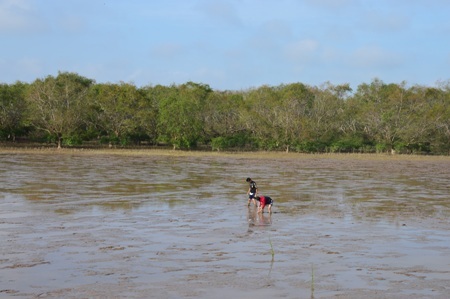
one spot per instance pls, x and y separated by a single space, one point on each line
270 208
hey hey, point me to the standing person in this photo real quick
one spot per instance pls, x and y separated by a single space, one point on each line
252 191
264 201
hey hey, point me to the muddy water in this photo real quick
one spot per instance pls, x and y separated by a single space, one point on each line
79 225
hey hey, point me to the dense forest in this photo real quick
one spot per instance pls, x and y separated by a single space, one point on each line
70 110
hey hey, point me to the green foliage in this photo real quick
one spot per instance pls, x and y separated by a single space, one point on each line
69 109
117 109
237 141
56 105
347 144
223 115
115 140
220 143
414 148
12 110
267 144
105 140
180 120
381 147
72 140
310 147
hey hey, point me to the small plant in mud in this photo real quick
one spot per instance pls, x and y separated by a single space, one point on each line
271 248
312 281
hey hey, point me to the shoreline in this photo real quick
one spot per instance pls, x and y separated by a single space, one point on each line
222 154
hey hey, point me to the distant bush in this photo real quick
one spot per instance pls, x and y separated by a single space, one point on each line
229 142
346 145
310 147
72 140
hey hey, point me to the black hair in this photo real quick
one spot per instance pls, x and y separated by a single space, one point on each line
248 179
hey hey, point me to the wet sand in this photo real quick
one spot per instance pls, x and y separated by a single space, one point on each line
170 225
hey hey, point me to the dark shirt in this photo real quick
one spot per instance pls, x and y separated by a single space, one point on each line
253 187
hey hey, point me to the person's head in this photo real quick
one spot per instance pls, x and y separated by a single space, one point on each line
248 180
257 198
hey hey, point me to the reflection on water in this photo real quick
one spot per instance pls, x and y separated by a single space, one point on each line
256 219
111 181
135 226
357 188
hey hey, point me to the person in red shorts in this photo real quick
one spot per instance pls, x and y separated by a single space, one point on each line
264 201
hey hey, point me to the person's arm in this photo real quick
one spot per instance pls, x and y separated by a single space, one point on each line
262 203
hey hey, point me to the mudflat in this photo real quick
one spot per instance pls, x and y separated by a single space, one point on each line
171 224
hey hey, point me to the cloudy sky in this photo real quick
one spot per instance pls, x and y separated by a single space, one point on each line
227 44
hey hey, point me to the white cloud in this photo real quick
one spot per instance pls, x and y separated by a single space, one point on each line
269 39
166 51
222 11
26 69
276 29
375 57
73 24
385 22
302 51
232 42
18 16
332 4
29 65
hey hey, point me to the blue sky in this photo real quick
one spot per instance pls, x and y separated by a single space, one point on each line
227 44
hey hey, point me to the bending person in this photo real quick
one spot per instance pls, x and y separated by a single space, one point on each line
264 201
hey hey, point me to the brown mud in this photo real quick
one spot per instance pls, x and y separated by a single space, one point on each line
164 224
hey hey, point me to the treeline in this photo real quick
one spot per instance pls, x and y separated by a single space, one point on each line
71 110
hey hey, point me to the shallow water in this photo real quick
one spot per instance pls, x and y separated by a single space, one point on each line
156 226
